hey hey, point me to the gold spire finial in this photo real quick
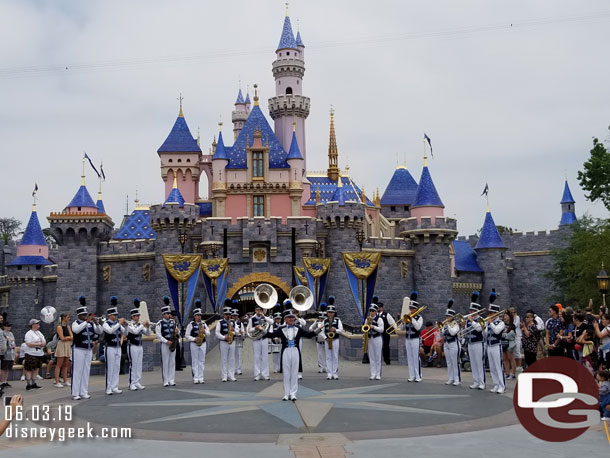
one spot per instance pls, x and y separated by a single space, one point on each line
363 196
298 26
198 137
286 8
255 95
294 126
333 153
339 181
82 177
180 99
175 185
34 196
425 154
318 194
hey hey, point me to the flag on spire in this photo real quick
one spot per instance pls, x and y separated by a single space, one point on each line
35 190
486 190
102 170
92 166
429 143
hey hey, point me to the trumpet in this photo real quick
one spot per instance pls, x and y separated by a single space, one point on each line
407 318
466 331
439 327
493 316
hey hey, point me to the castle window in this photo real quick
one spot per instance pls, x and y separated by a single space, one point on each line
78 208
188 160
288 90
257 165
258 208
406 208
179 160
171 160
4 299
392 208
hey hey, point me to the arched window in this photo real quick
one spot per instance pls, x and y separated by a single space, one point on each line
171 160
288 90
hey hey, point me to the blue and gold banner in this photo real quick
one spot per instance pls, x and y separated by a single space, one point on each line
182 269
299 273
361 269
316 271
215 276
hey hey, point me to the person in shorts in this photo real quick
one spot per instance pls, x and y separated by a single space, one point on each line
35 343
7 343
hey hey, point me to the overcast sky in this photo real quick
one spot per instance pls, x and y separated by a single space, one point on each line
515 106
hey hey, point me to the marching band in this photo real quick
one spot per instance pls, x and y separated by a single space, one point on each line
281 335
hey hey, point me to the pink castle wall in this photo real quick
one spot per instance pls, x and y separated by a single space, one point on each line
82 210
433 212
236 206
33 250
281 206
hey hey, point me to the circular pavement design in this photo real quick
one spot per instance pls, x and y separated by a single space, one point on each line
248 411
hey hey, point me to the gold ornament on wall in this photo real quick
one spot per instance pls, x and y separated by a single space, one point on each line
106 272
404 269
146 269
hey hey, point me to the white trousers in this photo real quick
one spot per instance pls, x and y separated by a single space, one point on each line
198 361
375 345
413 359
135 353
290 371
113 366
321 356
477 362
496 365
261 357
452 356
238 357
168 366
332 358
81 368
227 360
301 350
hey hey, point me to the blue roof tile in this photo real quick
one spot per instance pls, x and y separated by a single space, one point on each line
205 208
237 153
179 139
29 261
240 98
401 190
465 257
174 197
295 152
220 152
426 195
287 40
33 233
567 195
327 189
567 218
82 198
137 226
490 237
299 40
247 101
100 206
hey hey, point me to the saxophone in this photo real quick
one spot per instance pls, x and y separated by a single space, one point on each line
200 335
230 333
174 340
330 336
365 337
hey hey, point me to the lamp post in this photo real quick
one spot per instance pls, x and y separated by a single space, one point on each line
602 284
360 237
182 239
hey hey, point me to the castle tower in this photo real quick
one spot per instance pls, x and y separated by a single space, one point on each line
399 195
32 249
430 234
289 104
333 152
180 156
568 215
100 203
220 160
491 258
297 171
240 114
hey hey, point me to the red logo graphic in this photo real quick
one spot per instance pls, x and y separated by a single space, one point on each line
556 399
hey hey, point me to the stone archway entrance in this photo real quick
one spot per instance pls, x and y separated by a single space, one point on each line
243 290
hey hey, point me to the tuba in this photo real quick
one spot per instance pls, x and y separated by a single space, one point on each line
301 298
265 296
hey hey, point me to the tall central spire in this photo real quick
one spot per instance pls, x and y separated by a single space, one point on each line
333 152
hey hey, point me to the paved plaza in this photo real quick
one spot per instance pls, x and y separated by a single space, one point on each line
352 416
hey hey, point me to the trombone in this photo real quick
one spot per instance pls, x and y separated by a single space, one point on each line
439 326
483 322
406 319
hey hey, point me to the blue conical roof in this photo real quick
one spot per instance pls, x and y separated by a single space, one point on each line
567 218
490 237
567 195
401 190
299 41
295 152
220 152
175 197
33 233
240 98
247 101
82 198
287 40
339 195
426 195
100 206
179 139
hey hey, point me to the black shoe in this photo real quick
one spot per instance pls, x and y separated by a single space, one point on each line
29 387
7 385
34 386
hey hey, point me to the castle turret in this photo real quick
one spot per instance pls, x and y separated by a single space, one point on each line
220 160
399 195
491 258
32 249
289 104
568 214
240 114
180 156
427 202
297 171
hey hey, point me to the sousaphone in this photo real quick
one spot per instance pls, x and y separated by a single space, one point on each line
265 296
301 298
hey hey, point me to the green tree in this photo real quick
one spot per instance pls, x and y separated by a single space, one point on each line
9 228
595 178
578 264
505 229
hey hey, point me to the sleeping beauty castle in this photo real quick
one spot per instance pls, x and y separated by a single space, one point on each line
266 219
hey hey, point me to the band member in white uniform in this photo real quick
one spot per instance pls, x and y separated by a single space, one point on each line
388 322
290 335
474 336
332 324
227 351
240 336
452 347
494 331
320 339
277 322
260 347
167 332
135 331
375 343
83 330
413 340
298 322
113 330
197 333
